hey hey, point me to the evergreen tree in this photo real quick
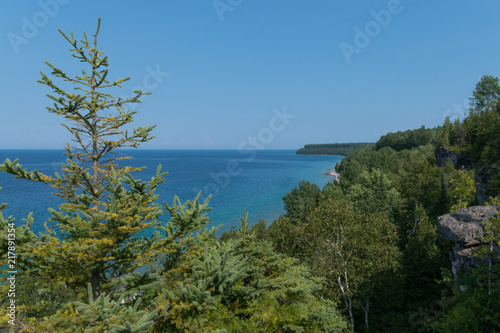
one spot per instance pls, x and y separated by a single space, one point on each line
100 315
480 130
97 237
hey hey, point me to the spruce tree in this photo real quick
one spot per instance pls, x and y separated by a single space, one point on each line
97 234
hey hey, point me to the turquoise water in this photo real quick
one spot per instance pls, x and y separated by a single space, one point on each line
237 180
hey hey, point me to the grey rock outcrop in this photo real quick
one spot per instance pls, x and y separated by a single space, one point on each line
445 154
466 228
459 160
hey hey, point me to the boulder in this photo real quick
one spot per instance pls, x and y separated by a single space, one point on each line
466 228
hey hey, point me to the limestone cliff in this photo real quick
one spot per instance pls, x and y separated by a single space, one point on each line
466 228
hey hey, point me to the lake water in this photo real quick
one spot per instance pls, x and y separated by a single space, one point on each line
238 180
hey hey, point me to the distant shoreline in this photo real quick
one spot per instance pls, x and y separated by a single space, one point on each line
337 149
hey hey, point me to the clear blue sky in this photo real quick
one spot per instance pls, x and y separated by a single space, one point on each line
231 62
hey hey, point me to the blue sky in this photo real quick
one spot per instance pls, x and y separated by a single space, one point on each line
275 73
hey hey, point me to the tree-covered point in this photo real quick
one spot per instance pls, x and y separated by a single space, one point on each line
409 139
342 149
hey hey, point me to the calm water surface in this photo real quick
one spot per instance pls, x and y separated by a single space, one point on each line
235 179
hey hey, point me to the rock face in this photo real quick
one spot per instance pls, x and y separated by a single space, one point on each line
465 227
459 160
483 178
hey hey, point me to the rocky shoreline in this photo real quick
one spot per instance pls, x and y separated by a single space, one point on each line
334 173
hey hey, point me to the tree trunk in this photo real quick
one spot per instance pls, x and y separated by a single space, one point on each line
94 281
95 147
347 301
351 317
366 309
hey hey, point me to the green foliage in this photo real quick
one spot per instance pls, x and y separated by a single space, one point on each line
479 133
350 171
486 94
343 149
192 304
331 191
444 196
283 295
495 183
393 182
420 183
412 191
101 315
422 261
220 266
260 229
352 250
463 189
409 139
175 243
283 233
385 159
373 192
276 294
399 178
301 200
226 236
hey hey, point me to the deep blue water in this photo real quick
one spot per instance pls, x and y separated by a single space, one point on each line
255 184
